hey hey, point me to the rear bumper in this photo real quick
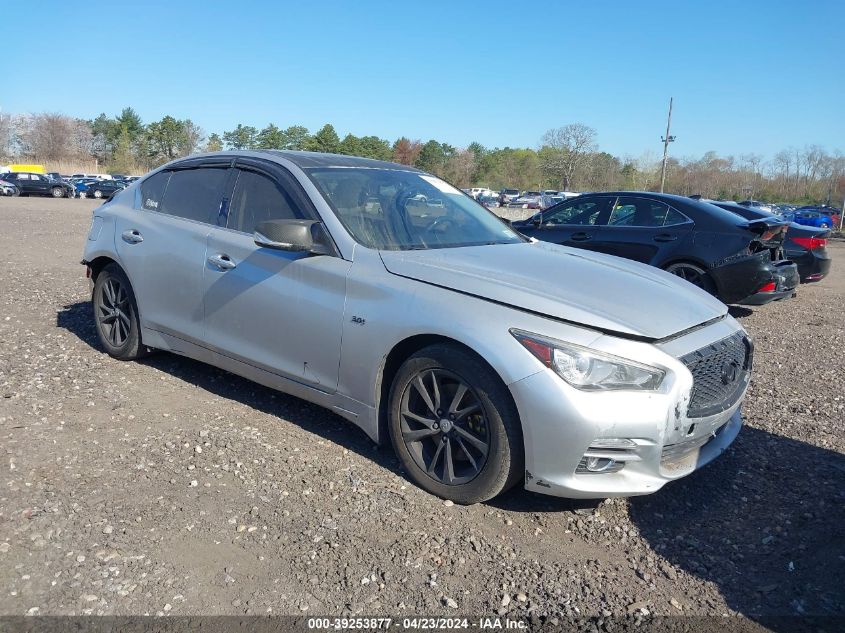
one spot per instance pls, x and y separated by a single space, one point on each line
812 266
762 298
786 278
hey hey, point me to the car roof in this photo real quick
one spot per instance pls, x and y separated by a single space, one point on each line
307 160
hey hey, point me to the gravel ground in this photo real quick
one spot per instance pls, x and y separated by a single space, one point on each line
166 486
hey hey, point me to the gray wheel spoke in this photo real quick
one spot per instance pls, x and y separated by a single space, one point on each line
428 422
435 387
420 387
469 456
473 408
480 444
435 459
124 318
416 436
449 469
460 392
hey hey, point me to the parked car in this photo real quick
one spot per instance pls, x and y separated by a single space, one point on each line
436 328
804 245
736 260
831 212
102 189
507 195
30 184
810 218
8 188
527 200
489 201
80 186
765 206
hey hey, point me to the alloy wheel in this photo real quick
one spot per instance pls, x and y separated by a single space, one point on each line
689 274
113 312
444 427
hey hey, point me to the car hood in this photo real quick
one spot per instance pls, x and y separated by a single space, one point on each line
591 289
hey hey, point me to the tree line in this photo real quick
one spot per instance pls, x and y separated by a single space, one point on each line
566 158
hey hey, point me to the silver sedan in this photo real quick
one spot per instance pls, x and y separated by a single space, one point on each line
398 302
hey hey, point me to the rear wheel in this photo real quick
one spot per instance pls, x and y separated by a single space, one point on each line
98 193
116 314
696 275
454 426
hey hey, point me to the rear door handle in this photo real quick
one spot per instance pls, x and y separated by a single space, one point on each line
665 237
221 261
581 237
133 236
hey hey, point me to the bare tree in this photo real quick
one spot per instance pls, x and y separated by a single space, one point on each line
6 151
566 149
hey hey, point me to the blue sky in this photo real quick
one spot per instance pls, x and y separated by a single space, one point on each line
746 76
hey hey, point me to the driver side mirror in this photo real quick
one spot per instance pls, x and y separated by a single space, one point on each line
295 236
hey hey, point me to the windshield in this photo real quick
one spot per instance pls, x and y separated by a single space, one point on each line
392 209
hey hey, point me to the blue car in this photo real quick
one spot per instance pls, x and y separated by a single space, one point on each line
809 218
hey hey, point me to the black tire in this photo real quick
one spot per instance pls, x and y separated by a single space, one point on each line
476 474
98 193
116 315
57 192
694 274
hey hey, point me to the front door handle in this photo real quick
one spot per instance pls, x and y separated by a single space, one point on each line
133 236
221 261
581 237
665 237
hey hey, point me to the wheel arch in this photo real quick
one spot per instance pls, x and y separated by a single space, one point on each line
97 265
398 354
695 262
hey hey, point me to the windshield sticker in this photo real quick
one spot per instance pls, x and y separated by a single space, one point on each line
445 187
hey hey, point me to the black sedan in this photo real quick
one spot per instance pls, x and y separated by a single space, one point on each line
804 245
30 184
737 260
103 189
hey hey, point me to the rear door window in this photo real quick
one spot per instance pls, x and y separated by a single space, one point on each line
578 212
194 194
640 212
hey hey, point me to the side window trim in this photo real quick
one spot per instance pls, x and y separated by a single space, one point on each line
239 168
687 219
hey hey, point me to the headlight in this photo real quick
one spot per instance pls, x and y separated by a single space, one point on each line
590 370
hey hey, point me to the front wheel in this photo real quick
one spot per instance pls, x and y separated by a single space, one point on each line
98 193
116 315
82 195
454 425
57 192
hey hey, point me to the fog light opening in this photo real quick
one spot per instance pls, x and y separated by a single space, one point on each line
599 464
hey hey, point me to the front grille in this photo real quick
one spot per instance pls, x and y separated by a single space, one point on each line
719 372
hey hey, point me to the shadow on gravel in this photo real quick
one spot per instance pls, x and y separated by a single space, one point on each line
765 523
77 319
740 312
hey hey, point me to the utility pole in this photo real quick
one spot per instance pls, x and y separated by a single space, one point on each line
666 140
